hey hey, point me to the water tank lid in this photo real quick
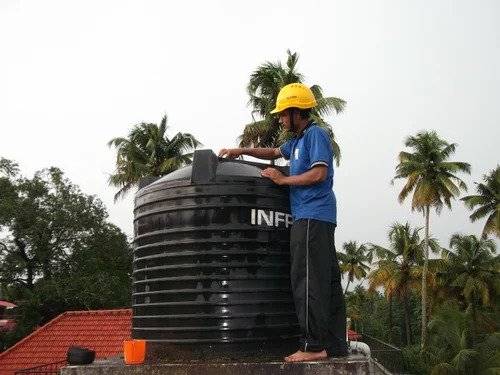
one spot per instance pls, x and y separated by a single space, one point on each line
207 166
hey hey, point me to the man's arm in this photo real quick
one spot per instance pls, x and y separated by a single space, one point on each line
260 153
311 177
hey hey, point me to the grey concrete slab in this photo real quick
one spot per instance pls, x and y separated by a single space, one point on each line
352 365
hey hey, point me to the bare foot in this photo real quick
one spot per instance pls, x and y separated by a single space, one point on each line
299 356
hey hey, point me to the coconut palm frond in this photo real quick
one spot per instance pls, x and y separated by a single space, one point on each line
263 89
147 151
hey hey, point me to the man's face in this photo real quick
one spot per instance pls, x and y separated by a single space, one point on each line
284 119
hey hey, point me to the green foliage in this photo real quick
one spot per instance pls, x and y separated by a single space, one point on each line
368 312
148 152
265 83
413 362
354 261
399 268
380 317
469 272
9 168
430 176
58 251
453 348
463 335
487 202
43 215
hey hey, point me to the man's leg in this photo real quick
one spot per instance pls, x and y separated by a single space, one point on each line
337 344
310 275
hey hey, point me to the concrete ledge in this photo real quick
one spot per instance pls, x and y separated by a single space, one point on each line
357 365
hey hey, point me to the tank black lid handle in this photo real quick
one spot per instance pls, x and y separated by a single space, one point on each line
204 166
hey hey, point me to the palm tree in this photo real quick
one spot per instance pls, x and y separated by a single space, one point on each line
265 83
354 261
488 200
431 178
452 349
471 270
147 151
399 269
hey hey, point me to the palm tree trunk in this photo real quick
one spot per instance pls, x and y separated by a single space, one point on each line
424 278
390 318
30 264
407 319
347 286
474 319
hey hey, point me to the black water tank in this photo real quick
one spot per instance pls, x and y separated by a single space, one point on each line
211 258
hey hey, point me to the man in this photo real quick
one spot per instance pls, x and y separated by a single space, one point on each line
315 273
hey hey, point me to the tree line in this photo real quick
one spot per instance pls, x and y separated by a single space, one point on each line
58 251
463 298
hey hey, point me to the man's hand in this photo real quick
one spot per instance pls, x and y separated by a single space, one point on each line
231 153
274 175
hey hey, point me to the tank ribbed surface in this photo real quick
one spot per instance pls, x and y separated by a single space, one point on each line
211 256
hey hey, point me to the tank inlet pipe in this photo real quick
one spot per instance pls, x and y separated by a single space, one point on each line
360 347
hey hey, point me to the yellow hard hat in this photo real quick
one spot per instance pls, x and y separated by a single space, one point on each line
294 95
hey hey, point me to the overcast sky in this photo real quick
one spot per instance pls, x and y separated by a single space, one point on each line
74 74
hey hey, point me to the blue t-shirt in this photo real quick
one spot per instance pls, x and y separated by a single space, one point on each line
313 147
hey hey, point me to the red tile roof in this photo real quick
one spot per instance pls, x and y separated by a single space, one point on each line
353 335
7 324
102 331
7 304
